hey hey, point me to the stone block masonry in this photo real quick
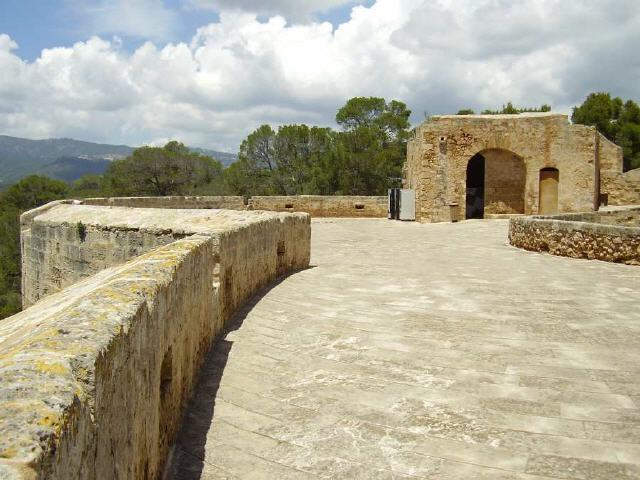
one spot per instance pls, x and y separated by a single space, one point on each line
95 374
533 163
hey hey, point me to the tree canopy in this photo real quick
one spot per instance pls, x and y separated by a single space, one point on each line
508 109
169 170
28 193
362 158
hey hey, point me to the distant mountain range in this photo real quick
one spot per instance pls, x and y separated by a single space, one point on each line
67 159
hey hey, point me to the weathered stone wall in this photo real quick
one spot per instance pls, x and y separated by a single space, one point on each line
621 188
608 236
57 255
95 375
225 202
438 153
324 206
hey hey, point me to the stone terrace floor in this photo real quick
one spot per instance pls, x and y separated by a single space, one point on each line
425 351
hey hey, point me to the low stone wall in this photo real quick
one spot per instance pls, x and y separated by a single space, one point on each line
315 205
608 236
229 203
324 206
94 376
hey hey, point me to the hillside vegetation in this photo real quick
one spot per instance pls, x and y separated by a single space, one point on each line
66 159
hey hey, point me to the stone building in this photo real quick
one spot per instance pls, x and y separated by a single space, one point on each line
479 166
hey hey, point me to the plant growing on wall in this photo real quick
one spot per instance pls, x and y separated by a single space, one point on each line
82 231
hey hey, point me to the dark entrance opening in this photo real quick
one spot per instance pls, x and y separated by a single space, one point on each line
475 187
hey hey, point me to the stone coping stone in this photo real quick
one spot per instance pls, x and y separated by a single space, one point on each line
233 202
577 226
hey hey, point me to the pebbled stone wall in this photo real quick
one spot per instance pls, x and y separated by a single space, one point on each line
324 206
608 236
94 376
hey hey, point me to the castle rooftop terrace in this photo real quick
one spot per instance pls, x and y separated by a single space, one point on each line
424 351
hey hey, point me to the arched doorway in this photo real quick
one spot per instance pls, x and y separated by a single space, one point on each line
549 180
475 187
496 180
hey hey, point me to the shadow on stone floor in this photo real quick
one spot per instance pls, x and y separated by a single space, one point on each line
188 458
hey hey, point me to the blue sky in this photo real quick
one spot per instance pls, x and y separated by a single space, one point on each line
38 24
208 72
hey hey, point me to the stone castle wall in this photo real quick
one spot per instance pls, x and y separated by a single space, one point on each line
324 206
438 154
175 202
609 236
315 205
70 361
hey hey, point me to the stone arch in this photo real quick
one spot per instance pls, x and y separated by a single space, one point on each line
495 183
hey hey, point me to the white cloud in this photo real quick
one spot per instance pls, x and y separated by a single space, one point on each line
437 56
293 9
146 19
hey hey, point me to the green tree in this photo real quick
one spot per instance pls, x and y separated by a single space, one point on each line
363 158
28 193
299 150
617 120
373 144
10 301
33 191
257 169
162 171
90 186
465 111
601 111
294 160
510 109
628 136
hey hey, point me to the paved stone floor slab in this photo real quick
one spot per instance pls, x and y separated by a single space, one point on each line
424 351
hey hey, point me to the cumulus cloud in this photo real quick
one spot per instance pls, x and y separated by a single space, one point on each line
437 56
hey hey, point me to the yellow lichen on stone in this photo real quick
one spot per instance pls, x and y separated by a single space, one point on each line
55 368
49 420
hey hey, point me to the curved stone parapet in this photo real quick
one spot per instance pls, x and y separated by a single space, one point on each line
612 236
95 374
